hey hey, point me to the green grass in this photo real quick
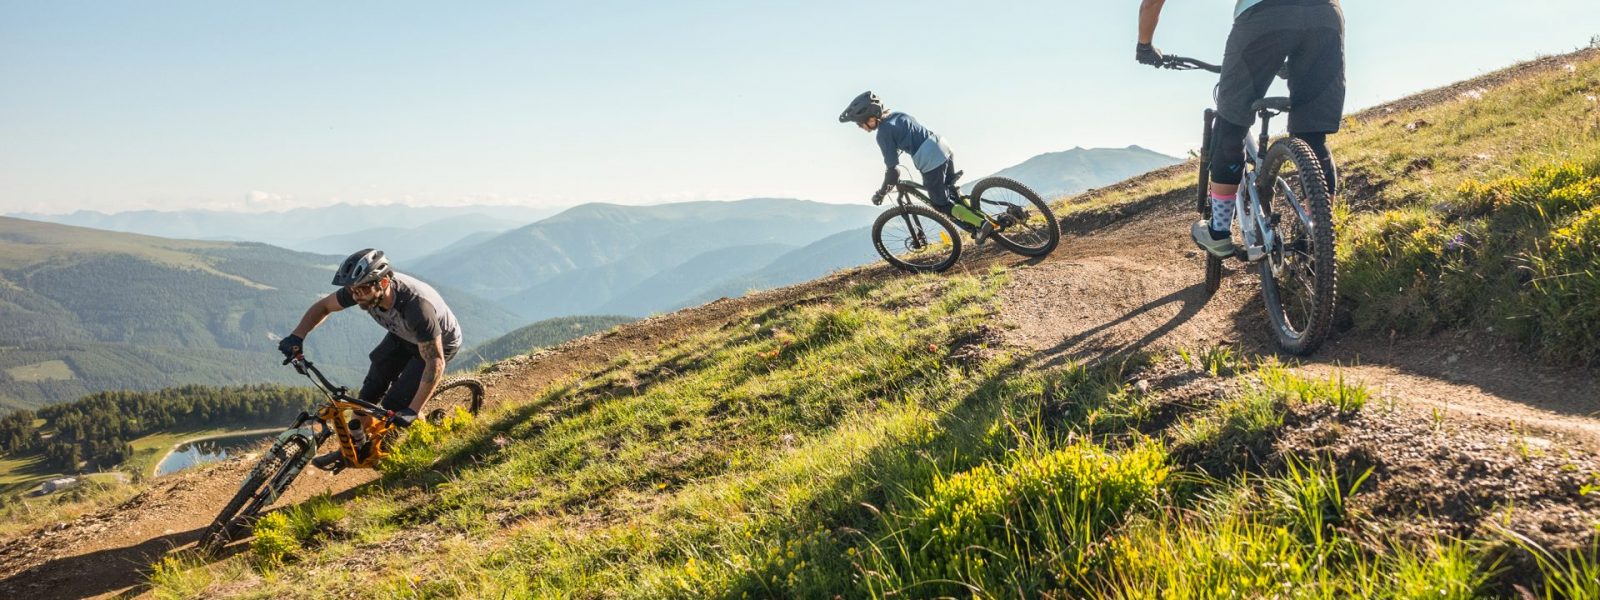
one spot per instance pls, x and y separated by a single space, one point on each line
282 536
841 446
1487 217
19 473
43 371
21 513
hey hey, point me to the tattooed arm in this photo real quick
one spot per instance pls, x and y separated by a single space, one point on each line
432 369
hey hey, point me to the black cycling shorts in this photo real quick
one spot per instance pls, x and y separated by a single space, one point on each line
395 374
1310 34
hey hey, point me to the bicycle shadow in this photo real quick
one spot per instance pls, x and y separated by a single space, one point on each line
1191 300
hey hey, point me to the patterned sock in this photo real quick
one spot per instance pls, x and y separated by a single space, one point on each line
1222 214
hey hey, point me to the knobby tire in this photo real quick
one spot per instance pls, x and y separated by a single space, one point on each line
263 485
1324 280
1009 238
920 214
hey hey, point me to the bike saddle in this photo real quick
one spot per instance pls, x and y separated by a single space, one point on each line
1277 103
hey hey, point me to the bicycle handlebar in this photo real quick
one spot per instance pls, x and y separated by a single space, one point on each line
1184 63
304 367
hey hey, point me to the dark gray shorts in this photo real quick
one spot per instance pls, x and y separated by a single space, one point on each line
1310 34
396 373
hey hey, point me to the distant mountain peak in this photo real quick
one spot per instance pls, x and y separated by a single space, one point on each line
1056 174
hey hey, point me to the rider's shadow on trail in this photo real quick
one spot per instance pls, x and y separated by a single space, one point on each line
100 572
1191 300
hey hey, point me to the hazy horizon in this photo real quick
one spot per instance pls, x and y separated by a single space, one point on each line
255 107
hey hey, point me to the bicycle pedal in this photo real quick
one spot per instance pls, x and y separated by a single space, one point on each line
332 463
1249 255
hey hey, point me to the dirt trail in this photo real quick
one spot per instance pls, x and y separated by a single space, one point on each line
1124 278
1099 297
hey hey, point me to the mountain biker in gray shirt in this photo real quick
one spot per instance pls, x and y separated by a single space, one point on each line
898 132
1309 34
423 334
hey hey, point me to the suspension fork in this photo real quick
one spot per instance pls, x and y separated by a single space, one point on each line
913 226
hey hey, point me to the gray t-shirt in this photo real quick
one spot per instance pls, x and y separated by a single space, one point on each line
419 314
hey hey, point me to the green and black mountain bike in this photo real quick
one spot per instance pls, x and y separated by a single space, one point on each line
917 238
336 417
1286 216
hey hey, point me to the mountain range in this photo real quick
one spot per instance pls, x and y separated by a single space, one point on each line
84 310
1056 174
336 229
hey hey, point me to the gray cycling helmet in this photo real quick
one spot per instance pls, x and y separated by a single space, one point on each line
864 106
363 267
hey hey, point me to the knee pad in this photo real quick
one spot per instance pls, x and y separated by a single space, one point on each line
1227 152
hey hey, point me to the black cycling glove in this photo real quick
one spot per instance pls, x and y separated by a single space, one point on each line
1148 54
290 345
877 197
404 417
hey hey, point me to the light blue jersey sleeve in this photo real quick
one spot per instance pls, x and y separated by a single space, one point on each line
1243 5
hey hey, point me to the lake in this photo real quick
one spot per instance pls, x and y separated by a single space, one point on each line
189 454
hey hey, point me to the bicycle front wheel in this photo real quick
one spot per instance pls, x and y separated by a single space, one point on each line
261 487
1298 278
464 393
916 239
1025 223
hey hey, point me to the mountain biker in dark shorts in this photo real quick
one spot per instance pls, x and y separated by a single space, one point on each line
1309 34
423 334
898 132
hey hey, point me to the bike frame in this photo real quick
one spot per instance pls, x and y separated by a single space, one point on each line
1248 204
329 419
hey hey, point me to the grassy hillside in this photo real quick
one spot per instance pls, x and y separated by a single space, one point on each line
1482 212
873 439
543 334
83 310
874 444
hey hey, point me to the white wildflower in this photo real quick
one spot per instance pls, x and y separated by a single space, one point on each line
1571 68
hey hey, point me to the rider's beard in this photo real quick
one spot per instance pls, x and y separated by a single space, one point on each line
370 303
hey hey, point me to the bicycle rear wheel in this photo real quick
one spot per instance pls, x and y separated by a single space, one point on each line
1027 226
916 239
1298 277
261 487
465 393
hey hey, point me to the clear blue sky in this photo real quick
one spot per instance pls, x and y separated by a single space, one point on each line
131 105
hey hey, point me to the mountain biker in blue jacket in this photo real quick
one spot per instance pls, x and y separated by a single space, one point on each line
897 133
423 335
1309 34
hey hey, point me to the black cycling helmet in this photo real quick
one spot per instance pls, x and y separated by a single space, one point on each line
363 267
864 106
